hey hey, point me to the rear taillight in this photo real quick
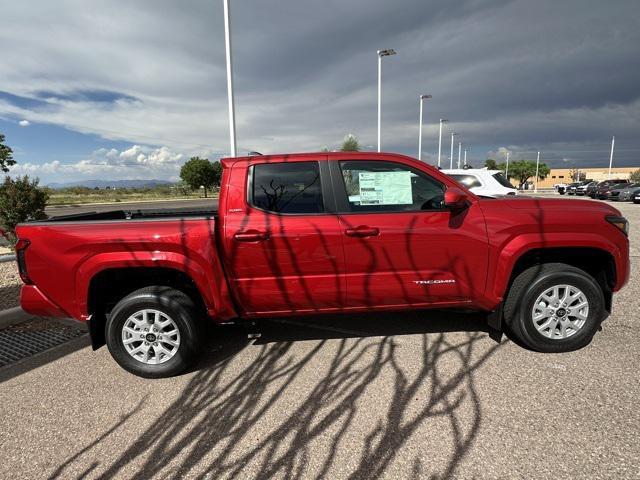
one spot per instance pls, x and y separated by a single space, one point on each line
21 249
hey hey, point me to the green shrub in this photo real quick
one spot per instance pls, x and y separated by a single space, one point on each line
20 200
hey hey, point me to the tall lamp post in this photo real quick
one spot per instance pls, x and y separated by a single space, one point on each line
506 170
381 53
232 109
422 98
613 141
537 168
465 157
442 120
459 152
451 155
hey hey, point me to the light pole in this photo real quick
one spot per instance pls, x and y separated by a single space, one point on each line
381 53
506 170
613 141
451 156
459 152
537 166
465 157
442 120
232 109
422 98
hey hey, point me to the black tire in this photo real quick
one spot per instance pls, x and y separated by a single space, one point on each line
531 283
173 303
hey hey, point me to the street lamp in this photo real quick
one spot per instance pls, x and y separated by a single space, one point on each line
381 53
506 171
537 165
422 98
232 110
613 141
465 157
459 152
442 120
451 156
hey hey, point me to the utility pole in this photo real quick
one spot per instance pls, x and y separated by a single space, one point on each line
232 109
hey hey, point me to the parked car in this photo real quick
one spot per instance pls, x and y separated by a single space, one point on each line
616 190
483 182
605 192
309 234
636 197
604 186
561 188
590 191
571 188
628 193
582 188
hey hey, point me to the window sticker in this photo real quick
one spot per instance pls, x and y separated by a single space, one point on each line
385 188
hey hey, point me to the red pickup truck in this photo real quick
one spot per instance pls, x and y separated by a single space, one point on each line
328 232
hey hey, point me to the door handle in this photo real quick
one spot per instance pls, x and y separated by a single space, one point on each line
250 236
362 231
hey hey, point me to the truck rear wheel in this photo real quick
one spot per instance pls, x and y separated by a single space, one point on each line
153 332
554 307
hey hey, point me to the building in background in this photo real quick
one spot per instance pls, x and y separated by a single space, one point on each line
563 175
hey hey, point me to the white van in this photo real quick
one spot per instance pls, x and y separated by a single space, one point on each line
483 182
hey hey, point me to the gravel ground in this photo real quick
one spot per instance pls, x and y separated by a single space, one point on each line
419 395
9 285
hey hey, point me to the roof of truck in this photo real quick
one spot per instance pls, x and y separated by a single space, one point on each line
315 155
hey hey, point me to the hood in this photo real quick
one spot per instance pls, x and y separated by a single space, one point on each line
524 202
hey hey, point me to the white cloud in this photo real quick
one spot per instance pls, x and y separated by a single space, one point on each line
24 123
136 162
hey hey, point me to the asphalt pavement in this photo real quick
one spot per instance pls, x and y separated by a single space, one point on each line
420 395
58 210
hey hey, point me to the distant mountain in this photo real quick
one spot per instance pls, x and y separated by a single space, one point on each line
110 183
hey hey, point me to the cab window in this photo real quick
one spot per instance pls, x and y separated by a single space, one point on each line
389 187
292 188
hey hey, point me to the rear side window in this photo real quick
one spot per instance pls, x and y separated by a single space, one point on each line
287 187
468 181
389 187
502 181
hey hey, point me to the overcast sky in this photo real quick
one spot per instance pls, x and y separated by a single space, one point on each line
120 89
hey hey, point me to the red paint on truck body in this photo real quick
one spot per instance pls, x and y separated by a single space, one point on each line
247 262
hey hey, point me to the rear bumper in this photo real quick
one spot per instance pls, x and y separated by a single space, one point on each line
35 302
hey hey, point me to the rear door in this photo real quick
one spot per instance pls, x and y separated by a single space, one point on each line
283 238
402 247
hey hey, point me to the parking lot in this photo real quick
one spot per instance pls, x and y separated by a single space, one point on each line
420 395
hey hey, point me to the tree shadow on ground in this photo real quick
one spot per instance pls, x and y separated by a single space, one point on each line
277 411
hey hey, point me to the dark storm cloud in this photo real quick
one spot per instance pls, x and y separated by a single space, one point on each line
559 76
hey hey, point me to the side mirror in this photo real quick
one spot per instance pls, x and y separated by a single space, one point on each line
455 199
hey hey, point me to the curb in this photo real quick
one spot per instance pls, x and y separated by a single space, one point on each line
7 258
13 316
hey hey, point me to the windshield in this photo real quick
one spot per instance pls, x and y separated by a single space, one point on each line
502 181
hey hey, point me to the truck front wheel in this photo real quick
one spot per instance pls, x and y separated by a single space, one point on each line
153 332
554 307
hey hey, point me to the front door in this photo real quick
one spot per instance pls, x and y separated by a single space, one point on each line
284 245
402 247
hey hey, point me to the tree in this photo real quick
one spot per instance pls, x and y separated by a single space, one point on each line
491 164
635 176
522 170
20 200
217 176
350 144
199 172
6 156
